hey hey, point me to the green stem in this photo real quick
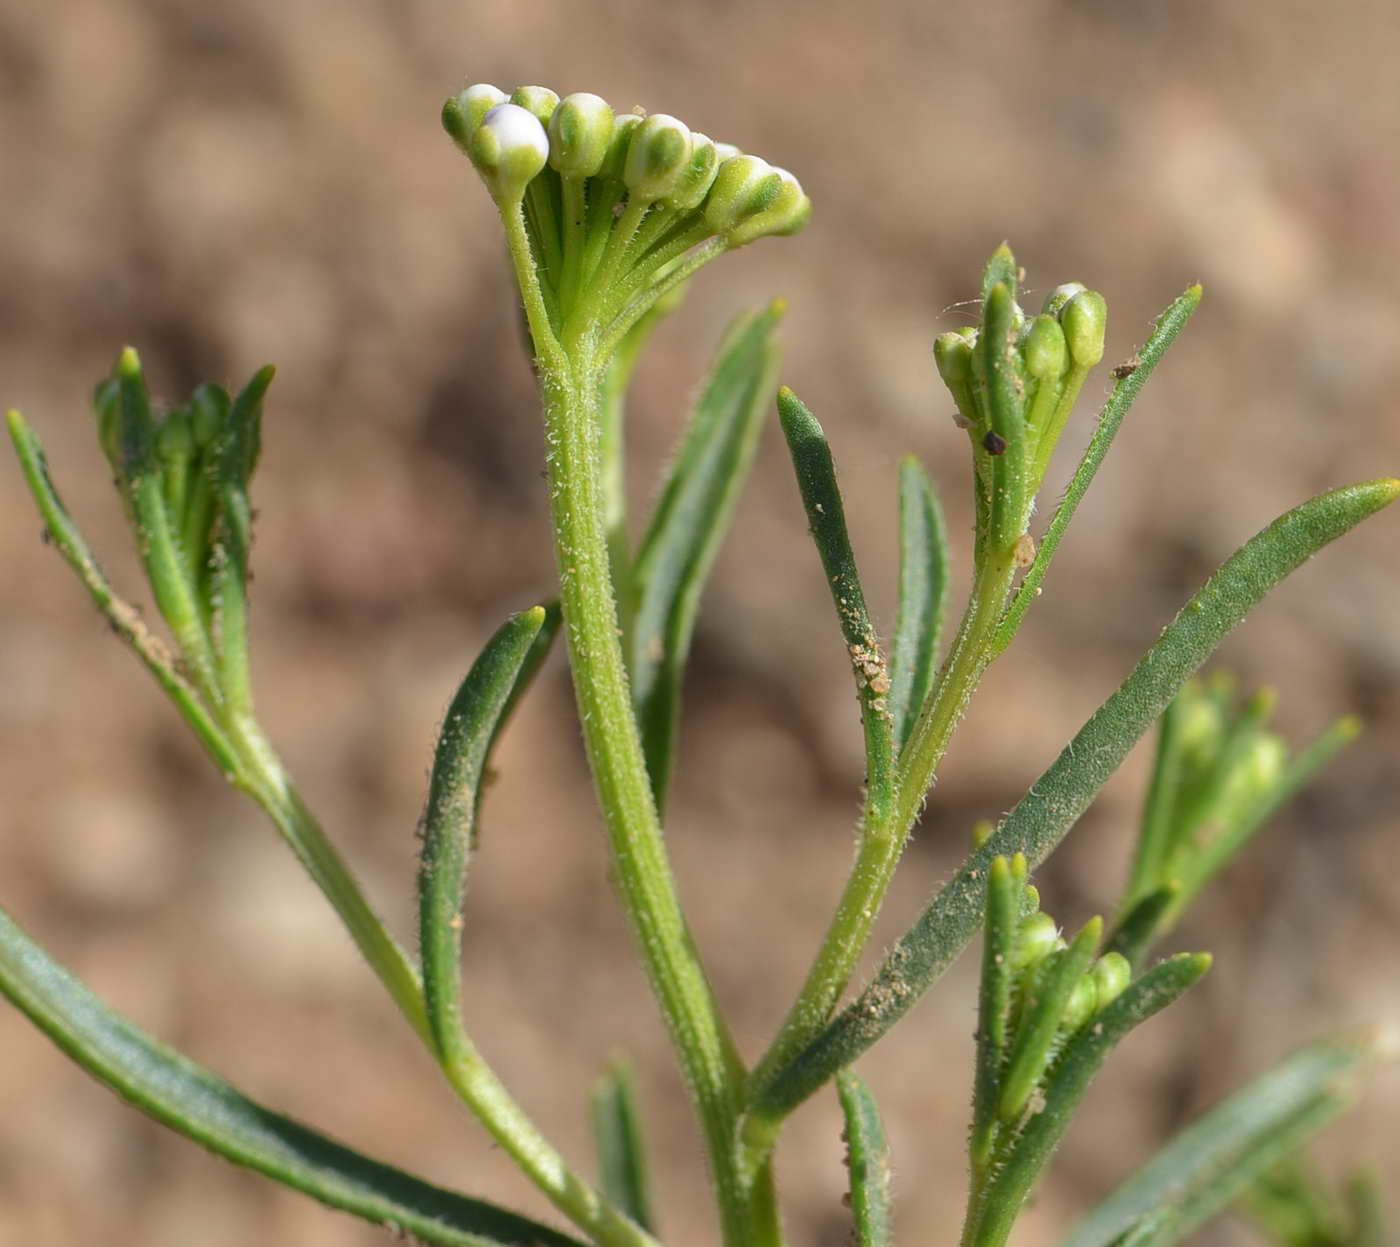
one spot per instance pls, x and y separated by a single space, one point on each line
474 1080
882 841
570 391
261 776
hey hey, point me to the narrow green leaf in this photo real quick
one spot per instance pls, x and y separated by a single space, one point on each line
1206 1166
624 1175
1001 267
176 1092
1158 814
124 618
1066 1083
172 585
923 597
1057 799
1005 382
1006 887
450 820
691 517
1140 925
826 518
868 1159
1125 390
236 457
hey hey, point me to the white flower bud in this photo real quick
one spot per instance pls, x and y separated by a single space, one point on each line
785 213
656 157
744 185
579 133
462 114
508 149
698 176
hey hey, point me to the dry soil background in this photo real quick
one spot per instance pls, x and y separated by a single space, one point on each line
227 184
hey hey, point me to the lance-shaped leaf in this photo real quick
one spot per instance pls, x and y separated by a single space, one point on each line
868 1159
506 663
923 595
684 535
1006 889
624 1175
826 518
195 1102
124 618
1125 390
1064 1087
1064 791
1210 1163
236 456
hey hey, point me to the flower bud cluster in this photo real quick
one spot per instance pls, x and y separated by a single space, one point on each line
1014 379
1221 772
609 198
1045 1013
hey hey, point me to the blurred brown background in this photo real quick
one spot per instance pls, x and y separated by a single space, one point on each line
224 185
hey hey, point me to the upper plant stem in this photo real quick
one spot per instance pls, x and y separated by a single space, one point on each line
714 1075
883 841
263 778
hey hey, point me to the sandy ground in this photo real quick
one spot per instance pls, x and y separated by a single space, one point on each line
224 185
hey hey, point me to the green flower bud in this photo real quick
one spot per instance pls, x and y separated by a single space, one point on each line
1035 941
615 160
1111 975
1201 727
508 149
1045 352
107 402
1083 1000
786 213
952 352
1264 764
1085 321
538 100
657 157
698 177
1060 295
209 407
463 113
580 132
743 187
175 441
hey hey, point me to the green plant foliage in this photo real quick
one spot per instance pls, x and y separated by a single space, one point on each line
607 218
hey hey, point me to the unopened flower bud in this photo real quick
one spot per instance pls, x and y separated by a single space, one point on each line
743 187
1083 1000
698 176
1264 764
209 407
1035 941
615 160
1045 352
1111 975
727 151
1060 295
952 352
540 101
508 149
462 114
579 134
657 157
1085 321
175 437
786 213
